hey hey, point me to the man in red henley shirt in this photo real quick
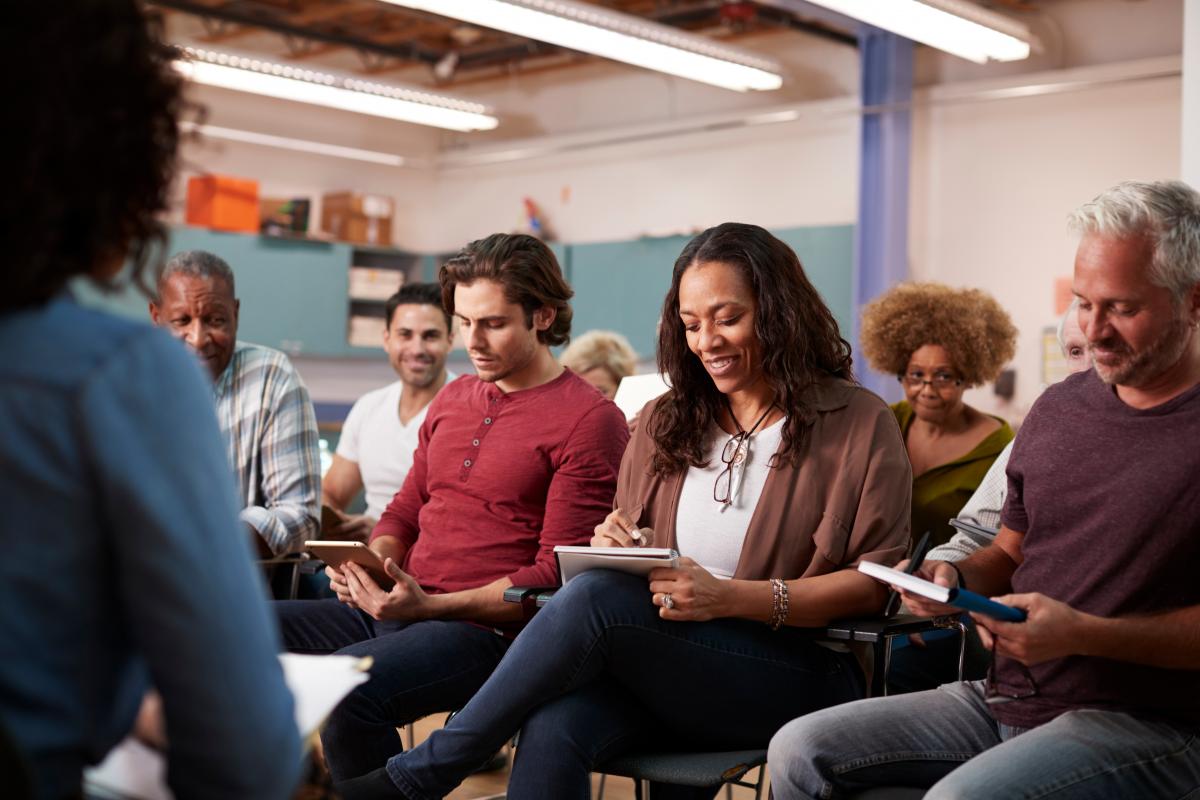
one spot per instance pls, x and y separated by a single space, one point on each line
511 462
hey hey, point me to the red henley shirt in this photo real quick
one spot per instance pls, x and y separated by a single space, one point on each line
499 479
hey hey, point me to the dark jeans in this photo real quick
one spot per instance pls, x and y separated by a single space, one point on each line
420 668
598 673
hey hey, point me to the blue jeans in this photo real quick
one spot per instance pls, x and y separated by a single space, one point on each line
947 739
598 673
420 668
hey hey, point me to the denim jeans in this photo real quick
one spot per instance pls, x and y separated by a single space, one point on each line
420 668
597 673
947 739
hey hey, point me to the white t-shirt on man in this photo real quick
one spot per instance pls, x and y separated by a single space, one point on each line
374 438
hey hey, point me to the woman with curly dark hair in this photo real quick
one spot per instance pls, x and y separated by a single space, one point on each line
939 342
125 564
773 474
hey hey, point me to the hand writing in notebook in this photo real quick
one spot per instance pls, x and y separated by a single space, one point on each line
619 529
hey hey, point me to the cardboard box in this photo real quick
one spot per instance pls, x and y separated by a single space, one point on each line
360 218
280 217
223 202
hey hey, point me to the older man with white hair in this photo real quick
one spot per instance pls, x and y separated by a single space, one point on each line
1095 693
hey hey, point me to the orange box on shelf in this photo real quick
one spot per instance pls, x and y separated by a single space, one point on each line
222 202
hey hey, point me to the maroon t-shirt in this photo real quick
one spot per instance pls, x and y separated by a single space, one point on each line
1108 497
499 479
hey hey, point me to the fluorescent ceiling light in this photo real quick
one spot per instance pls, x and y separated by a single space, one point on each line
620 37
299 145
246 74
958 27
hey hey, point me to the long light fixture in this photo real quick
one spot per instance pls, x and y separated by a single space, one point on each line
290 143
254 75
613 35
955 26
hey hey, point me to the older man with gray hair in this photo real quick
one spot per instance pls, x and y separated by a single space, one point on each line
1095 693
262 406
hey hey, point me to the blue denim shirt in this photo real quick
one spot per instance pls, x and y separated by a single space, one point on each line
122 563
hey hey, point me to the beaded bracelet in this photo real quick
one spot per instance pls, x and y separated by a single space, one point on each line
779 604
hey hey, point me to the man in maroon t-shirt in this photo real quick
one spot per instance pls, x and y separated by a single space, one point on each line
1097 692
510 462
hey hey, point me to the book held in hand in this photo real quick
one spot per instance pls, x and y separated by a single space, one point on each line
959 598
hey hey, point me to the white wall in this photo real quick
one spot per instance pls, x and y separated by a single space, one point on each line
801 173
994 181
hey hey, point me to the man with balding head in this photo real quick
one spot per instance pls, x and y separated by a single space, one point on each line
262 406
1095 693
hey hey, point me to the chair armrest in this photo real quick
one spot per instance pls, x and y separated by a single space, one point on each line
531 598
875 629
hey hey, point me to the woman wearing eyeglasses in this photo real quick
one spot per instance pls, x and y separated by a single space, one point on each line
939 342
773 474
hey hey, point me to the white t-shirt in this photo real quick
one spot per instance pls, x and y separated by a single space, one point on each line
383 448
712 533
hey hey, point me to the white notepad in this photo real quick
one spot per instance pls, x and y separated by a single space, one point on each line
633 560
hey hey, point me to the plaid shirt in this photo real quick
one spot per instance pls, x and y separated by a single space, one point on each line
271 434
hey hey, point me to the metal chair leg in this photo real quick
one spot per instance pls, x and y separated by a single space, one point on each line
294 590
600 788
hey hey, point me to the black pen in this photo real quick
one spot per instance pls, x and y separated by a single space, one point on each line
918 558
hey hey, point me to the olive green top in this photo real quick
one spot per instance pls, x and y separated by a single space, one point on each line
940 493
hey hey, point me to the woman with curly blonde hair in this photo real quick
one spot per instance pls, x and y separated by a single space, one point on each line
602 358
940 341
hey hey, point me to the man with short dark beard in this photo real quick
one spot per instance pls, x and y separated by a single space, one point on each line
379 437
1095 693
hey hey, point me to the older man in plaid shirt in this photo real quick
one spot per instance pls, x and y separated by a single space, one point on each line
262 406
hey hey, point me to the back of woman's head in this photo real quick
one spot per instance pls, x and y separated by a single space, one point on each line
92 149
797 333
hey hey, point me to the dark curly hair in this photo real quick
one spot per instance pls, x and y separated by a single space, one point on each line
525 267
95 106
799 339
972 327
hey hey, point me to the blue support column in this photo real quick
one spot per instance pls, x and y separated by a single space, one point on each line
881 236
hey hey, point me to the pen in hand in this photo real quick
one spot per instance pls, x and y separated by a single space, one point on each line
918 558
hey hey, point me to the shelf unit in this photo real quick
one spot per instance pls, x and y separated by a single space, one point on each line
375 274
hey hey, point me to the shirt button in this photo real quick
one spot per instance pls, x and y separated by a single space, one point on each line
487 420
475 442
467 463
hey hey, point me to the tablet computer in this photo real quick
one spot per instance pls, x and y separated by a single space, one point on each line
335 554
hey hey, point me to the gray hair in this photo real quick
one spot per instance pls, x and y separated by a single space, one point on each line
196 264
1062 325
1167 212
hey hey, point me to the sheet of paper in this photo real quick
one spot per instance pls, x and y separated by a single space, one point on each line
133 771
637 390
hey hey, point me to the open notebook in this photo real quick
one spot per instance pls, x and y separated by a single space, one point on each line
133 771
